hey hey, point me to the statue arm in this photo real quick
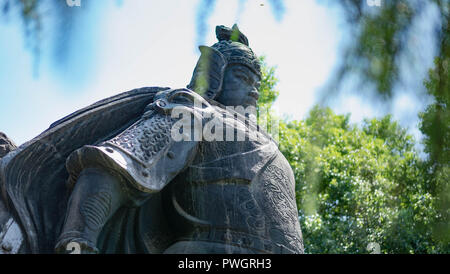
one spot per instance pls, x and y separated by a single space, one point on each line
123 170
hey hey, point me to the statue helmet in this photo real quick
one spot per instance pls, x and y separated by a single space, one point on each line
232 48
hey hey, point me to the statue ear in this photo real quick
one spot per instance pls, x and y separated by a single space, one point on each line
208 74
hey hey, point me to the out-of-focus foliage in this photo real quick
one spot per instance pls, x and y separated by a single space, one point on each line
43 21
379 53
32 19
435 125
380 38
381 46
381 41
358 187
435 122
33 12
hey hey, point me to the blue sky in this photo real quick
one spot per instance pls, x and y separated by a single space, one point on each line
116 46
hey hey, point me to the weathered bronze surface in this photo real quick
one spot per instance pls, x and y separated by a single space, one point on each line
112 178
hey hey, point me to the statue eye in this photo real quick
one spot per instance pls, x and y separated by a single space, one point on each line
246 79
243 77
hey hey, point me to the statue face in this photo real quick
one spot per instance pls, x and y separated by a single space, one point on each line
240 87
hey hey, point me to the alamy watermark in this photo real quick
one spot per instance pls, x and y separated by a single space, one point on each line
73 3
374 248
237 123
373 3
73 248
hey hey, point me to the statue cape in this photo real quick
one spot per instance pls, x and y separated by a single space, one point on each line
34 175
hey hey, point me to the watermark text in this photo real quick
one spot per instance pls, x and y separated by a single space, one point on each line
73 3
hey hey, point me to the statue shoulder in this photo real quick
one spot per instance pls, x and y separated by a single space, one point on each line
167 100
144 153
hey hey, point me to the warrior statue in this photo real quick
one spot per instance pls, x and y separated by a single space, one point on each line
125 176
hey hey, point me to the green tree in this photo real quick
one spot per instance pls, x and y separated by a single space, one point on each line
435 125
267 95
380 54
357 185
267 90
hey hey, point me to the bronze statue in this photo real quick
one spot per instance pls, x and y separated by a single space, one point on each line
126 176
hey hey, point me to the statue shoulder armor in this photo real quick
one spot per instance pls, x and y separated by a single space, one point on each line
145 153
167 100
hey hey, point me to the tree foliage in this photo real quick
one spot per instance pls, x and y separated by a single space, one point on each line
359 185
381 49
435 125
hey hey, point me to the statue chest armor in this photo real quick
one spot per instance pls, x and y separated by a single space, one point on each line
238 193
